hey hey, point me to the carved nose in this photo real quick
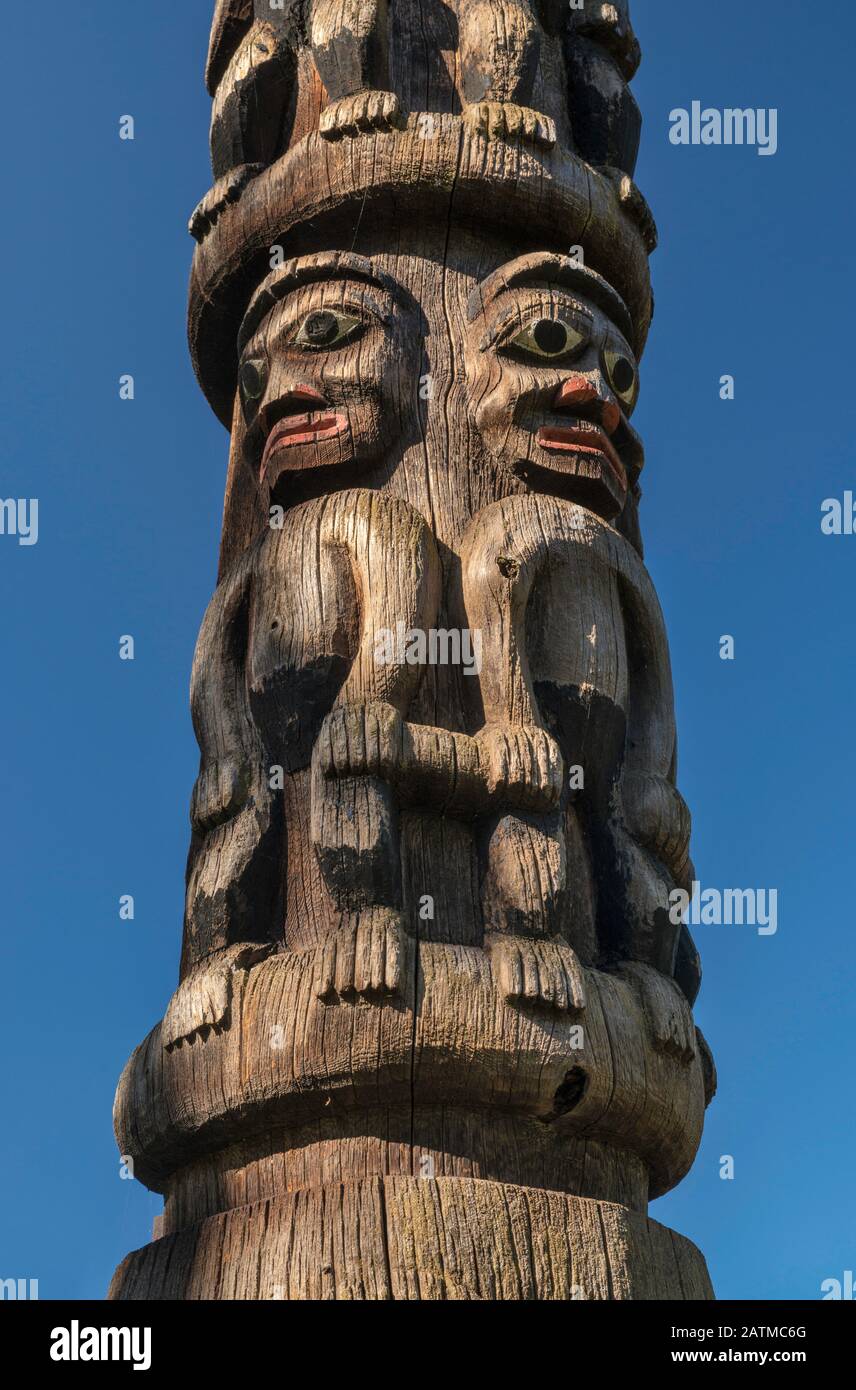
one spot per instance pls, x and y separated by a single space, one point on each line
578 395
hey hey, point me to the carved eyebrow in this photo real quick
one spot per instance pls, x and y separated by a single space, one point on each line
307 270
546 270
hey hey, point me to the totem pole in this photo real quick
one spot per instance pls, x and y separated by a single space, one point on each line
433 1034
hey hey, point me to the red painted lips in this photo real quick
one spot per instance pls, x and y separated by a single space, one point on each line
310 427
581 436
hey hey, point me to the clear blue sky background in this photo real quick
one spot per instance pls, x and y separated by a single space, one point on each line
753 277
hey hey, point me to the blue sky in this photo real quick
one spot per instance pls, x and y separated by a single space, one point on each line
753 278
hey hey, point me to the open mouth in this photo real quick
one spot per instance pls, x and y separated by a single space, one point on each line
583 437
310 428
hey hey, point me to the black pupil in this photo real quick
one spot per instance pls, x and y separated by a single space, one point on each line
321 328
251 380
623 375
549 335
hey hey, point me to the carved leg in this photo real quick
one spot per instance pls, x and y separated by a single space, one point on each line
523 882
355 832
524 879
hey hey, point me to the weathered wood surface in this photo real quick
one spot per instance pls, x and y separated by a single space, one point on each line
286 1057
433 1033
420 1239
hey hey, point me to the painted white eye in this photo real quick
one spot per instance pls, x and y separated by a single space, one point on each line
549 339
623 377
325 328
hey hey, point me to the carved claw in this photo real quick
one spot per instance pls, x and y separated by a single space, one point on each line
498 120
365 957
366 111
545 974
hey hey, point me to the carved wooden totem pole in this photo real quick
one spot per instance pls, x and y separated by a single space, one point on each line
433 1034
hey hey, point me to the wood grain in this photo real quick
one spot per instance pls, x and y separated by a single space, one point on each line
420 1239
432 1036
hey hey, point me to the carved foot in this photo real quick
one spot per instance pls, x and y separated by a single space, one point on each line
545 974
634 204
202 1003
364 957
227 190
503 120
366 111
670 1021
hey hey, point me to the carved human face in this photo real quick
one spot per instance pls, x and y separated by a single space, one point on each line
553 383
320 382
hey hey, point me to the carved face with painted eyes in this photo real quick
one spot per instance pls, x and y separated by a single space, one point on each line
554 382
319 375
